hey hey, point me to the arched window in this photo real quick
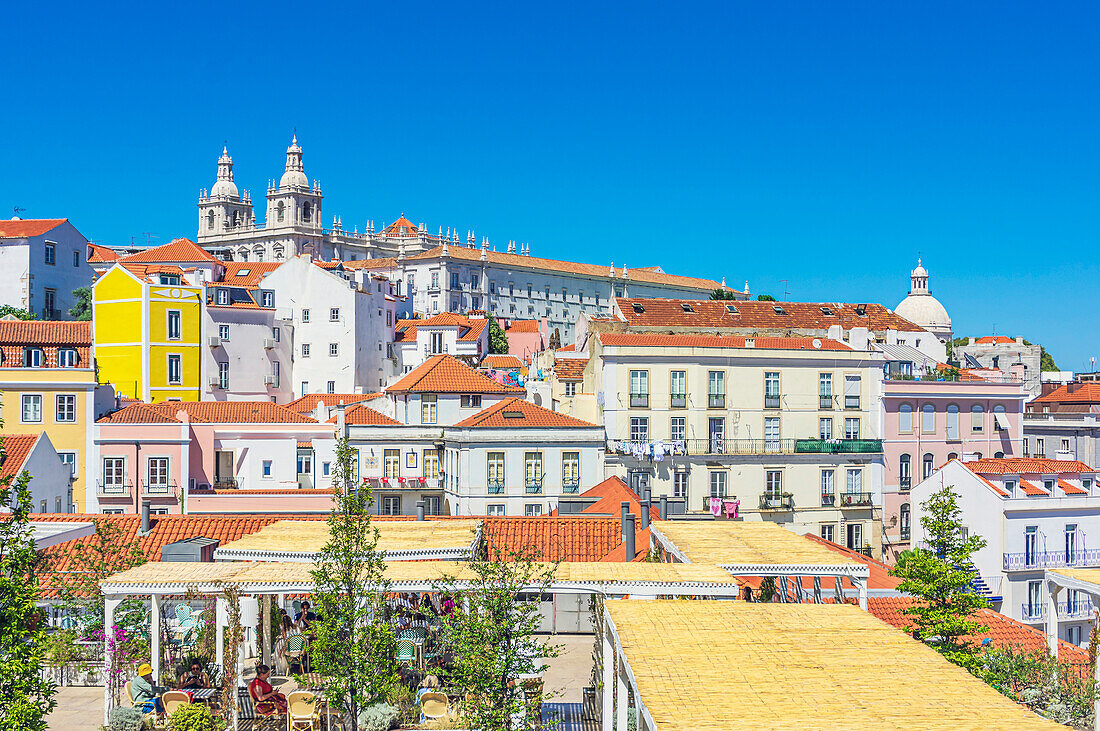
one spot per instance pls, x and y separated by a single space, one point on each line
905 472
307 211
280 212
904 521
1000 418
953 422
977 419
210 221
928 463
952 455
905 418
999 455
928 419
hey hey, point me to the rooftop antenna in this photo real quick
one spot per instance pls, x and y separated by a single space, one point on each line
786 293
149 237
18 210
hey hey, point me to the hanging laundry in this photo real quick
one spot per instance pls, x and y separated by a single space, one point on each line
659 450
732 507
716 506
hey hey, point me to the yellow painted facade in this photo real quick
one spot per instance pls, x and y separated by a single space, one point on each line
148 336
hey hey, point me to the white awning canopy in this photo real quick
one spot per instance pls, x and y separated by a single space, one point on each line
1001 418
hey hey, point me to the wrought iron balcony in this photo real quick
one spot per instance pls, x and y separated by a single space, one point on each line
678 400
717 445
639 399
904 483
777 502
1030 560
113 489
716 401
158 489
771 401
825 401
1075 609
1033 612
851 402
903 534
839 446
534 486
828 499
571 486
226 484
496 487
855 499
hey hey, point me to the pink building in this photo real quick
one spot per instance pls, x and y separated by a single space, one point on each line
930 422
525 337
212 457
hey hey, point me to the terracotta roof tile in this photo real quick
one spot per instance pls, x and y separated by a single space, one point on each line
994 340
177 250
100 254
515 413
553 538
447 374
501 361
23 228
246 274
1026 466
1083 393
307 444
610 495
570 369
718 341
401 227
16 448
1032 490
378 265
879 576
142 271
522 326
306 404
362 415
1071 489
208 412
50 335
759 315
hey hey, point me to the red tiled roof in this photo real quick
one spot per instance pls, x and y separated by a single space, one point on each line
334 264
469 328
1003 631
501 361
1083 393
515 413
306 404
993 487
1071 489
16 449
246 274
754 314
1026 466
177 250
993 340
24 228
394 229
307 444
50 335
520 261
879 577
1032 490
570 369
718 341
208 412
641 548
610 495
522 326
362 415
553 538
380 264
142 271
100 254
447 374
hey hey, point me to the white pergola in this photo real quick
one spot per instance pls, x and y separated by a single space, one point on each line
1083 580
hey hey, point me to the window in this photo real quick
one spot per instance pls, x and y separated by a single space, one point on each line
223 332
570 388
65 408
1031 544
475 302
828 532
305 314
175 325
904 521
67 358
851 392
828 487
305 463
471 401
905 472
305 350
267 298
639 429
773 484
34 357
639 388
1010 487
331 386
1040 447
928 419
51 253
679 484
69 458
428 405
156 473
771 434
275 375
495 510
391 505
1071 544
532 470
431 463
1048 485
175 369
825 428
977 419
50 302
532 510
928 463
854 482
223 375
76 263
716 389
222 296
391 463
952 422
1065 445
851 428
677 429
32 408
333 349
266 468
494 472
571 471
492 287
905 418
1086 484
454 280
678 389
771 390
326 469
718 483
435 343
334 314
305 387
474 281
114 472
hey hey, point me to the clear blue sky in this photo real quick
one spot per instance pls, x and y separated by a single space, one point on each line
823 144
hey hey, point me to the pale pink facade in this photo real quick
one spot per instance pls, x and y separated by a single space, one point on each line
928 423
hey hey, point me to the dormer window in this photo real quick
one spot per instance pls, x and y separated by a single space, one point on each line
222 296
1010 487
861 310
827 311
732 309
778 310
67 358
267 298
686 307
638 309
173 279
1048 485
34 357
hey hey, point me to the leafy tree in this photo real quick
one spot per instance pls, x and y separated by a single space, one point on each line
19 313
82 309
722 294
1055 690
25 697
1046 361
493 642
354 647
940 577
498 339
765 298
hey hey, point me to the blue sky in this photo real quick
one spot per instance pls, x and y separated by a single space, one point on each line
812 148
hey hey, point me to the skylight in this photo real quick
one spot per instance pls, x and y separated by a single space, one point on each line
779 310
243 272
686 307
732 309
637 307
827 311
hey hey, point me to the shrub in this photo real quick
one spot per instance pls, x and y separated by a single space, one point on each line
126 719
192 717
379 717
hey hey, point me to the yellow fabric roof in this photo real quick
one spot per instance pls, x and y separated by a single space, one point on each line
1088 576
710 665
309 536
727 542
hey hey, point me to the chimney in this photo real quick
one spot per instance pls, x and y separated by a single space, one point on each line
626 512
420 510
144 517
644 515
664 507
628 538
647 494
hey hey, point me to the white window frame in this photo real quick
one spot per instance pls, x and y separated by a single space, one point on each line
70 399
223 332
176 358
173 327
31 398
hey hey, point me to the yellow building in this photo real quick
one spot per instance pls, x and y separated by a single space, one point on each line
147 326
48 384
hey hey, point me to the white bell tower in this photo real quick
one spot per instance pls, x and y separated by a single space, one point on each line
223 210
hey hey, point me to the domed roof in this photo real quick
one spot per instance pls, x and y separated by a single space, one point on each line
924 310
224 187
295 176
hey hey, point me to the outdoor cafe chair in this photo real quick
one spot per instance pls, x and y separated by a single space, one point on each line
406 651
433 705
183 613
302 711
173 699
295 647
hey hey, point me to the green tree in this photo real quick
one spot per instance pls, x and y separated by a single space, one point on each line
765 298
494 641
354 648
1046 360
82 309
25 697
722 294
939 576
498 339
19 313
1055 690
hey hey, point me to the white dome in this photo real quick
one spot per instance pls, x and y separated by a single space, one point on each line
294 179
223 188
924 310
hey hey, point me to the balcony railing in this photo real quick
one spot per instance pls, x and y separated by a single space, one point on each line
1075 609
855 499
851 402
496 487
904 483
1033 612
716 401
639 399
718 445
777 502
226 484
828 499
1050 559
113 489
678 400
825 401
534 487
162 489
839 446
771 401
903 534
571 487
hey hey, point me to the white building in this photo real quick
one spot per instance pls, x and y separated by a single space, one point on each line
1034 514
49 476
41 262
466 338
924 309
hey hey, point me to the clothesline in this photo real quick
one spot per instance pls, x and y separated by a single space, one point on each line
655 450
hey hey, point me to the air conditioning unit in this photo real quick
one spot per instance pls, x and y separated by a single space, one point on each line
269 380
213 341
269 343
214 381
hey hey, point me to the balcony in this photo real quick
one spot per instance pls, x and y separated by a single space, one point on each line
903 534
227 484
639 399
158 489
851 402
1076 609
496 487
571 487
777 502
855 499
1033 612
904 483
533 486
717 445
678 400
113 489
716 401
772 400
828 500
838 446
825 401
1030 560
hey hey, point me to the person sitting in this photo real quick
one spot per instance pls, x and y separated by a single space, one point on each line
305 617
142 692
194 678
268 700
430 684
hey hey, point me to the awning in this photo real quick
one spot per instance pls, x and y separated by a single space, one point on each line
1001 418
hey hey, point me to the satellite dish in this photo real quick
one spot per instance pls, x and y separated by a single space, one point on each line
817 343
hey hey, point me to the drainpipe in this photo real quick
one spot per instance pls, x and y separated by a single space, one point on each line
664 507
420 510
144 517
628 537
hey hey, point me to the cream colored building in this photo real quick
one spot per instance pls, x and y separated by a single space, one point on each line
788 427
